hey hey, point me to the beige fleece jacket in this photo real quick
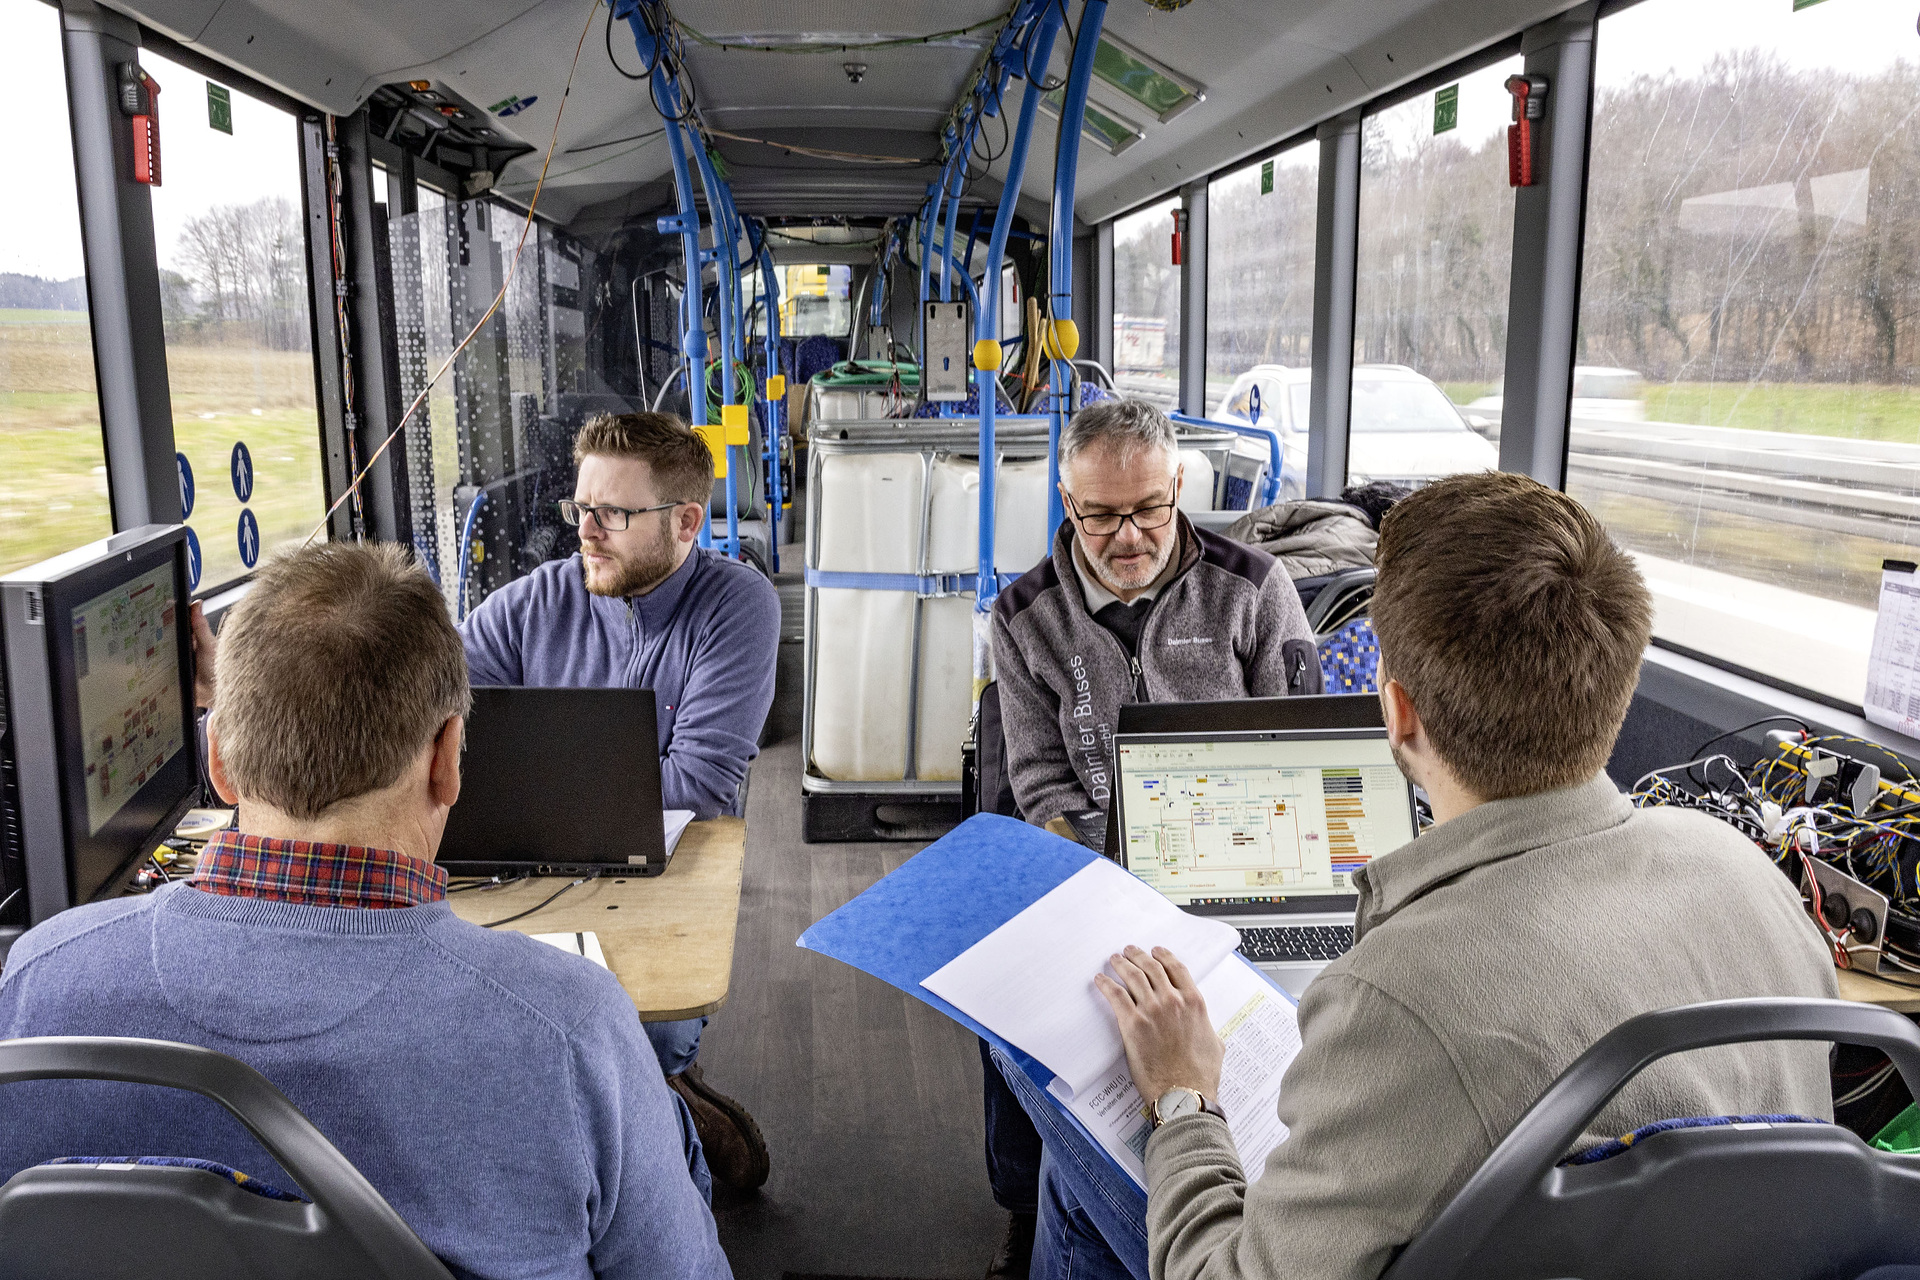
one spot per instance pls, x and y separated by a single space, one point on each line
1490 953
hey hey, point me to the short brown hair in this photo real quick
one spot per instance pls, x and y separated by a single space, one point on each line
682 464
1516 626
334 671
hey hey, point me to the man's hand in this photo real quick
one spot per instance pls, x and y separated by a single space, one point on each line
205 646
1163 1021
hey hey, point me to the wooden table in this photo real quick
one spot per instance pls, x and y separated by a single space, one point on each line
668 938
1871 990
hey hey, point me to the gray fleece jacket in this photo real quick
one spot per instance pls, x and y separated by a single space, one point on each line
1490 953
1228 624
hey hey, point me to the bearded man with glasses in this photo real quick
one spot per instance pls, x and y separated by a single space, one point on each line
642 607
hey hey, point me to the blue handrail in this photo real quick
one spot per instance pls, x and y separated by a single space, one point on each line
1276 452
1038 47
1066 165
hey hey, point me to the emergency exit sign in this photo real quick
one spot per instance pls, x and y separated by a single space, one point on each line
219 108
1266 177
1446 109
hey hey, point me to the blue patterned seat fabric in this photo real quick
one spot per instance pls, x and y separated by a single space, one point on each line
1607 1150
237 1178
968 408
809 356
1350 659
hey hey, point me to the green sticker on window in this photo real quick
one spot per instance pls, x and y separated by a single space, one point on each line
219 108
1266 177
1446 109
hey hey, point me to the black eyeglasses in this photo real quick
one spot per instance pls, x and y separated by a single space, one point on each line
1107 523
612 519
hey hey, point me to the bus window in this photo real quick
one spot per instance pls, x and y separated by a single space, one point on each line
233 287
1146 306
1746 414
1434 256
1260 225
816 301
53 490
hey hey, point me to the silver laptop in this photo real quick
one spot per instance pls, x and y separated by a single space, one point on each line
1265 829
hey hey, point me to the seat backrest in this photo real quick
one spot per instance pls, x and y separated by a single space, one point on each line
1340 598
995 784
162 1219
1761 1198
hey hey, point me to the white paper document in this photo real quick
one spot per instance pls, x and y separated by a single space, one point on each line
676 821
1031 982
1893 665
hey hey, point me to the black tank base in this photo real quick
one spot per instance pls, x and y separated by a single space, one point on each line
852 816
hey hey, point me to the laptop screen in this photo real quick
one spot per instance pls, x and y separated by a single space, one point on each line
1225 823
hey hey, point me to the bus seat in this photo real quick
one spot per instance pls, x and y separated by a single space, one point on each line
991 783
1334 599
1775 1196
175 1218
1350 659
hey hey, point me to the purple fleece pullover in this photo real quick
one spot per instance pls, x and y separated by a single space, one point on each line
704 641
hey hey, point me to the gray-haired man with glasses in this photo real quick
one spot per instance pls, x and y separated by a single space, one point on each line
1135 605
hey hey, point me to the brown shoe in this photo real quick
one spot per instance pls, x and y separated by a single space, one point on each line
736 1153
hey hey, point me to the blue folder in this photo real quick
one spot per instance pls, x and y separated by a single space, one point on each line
944 899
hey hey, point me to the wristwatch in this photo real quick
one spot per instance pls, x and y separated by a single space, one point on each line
1180 1101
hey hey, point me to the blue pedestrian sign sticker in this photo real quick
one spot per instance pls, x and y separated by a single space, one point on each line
240 465
193 557
185 469
249 539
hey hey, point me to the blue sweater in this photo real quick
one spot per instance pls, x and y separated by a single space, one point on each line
704 641
497 1091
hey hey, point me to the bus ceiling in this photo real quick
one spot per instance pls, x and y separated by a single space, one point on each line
841 119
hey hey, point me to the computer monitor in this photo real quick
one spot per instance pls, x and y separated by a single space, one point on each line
101 754
1221 823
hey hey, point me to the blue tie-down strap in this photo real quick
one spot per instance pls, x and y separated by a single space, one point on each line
237 1178
1607 1150
926 585
1350 659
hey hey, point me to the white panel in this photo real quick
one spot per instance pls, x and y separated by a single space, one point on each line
946 687
863 649
1020 516
870 506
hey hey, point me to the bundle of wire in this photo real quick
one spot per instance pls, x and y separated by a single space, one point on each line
1770 802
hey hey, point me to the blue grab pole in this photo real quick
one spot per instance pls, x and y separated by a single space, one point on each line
775 416
987 319
1066 165
725 253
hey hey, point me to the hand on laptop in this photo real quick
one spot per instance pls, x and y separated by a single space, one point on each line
1163 1022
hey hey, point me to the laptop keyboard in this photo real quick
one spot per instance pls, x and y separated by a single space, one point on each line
1321 942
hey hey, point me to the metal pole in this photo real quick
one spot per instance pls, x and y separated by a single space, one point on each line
1193 300
1060 243
1336 245
123 275
1549 221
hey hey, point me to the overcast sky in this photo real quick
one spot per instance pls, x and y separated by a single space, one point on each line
200 167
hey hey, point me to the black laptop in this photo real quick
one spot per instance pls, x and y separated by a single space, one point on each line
559 782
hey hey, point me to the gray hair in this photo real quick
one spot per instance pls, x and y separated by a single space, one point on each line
1125 426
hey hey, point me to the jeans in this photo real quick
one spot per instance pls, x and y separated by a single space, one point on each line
1093 1218
1013 1144
676 1044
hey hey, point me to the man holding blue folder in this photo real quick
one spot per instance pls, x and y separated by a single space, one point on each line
1540 911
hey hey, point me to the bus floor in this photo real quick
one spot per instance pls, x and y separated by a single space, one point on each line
868 1099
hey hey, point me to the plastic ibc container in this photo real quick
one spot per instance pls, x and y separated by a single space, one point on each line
891 672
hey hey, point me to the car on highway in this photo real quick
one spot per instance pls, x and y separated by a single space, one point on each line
1600 393
1404 427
